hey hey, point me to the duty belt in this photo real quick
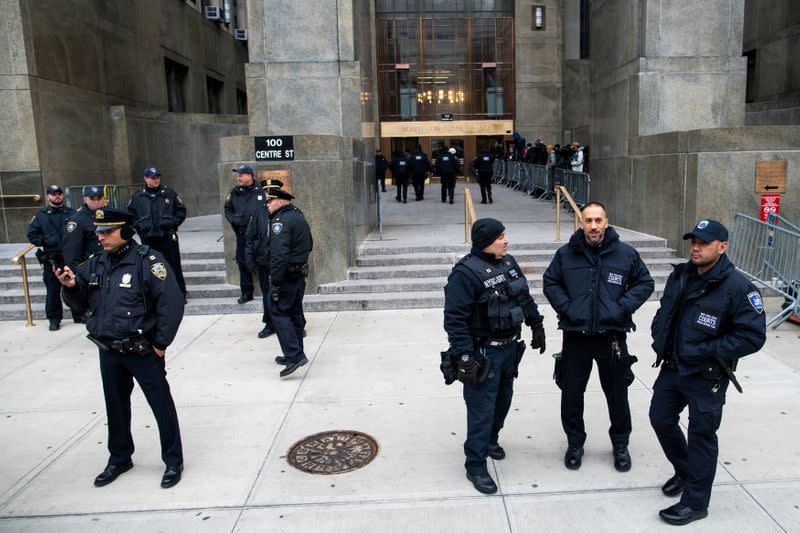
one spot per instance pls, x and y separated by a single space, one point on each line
499 343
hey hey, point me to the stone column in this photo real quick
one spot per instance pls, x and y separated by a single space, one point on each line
311 75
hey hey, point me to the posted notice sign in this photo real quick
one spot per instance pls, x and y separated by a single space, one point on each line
770 203
275 148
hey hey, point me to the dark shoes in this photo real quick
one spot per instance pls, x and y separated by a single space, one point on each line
79 319
572 459
171 476
496 452
55 325
679 514
244 298
673 486
483 201
491 201
405 201
111 473
281 360
482 483
291 367
266 332
451 200
622 459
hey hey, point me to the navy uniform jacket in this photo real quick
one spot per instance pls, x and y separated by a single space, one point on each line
156 213
240 205
420 163
48 227
484 163
723 317
594 291
380 165
80 240
290 241
461 301
400 168
446 165
134 291
256 237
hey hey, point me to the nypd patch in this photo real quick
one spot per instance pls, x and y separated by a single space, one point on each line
71 226
755 300
277 227
159 270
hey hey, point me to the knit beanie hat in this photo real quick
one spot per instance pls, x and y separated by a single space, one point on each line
485 231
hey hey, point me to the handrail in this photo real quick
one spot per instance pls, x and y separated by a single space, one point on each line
559 191
34 197
469 214
19 259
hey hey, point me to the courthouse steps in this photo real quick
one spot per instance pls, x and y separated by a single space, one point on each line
385 277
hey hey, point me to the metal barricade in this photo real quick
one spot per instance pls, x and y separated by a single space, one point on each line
512 177
498 170
578 186
768 253
116 196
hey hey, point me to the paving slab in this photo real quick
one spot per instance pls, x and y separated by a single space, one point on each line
175 522
781 500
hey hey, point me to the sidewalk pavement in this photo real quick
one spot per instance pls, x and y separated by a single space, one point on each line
375 372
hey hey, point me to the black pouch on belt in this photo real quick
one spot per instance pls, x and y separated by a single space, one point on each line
520 352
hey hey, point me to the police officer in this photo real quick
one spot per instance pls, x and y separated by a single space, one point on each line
380 169
242 202
157 212
420 167
290 244
710 316
257 253
47 229
595 283
400 168
484 164
486 300
133 309
447 169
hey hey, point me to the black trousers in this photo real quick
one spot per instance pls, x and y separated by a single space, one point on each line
402 185
169 248
488 404
287 317
245 276
448 187
485 182
53 309
578 353
118 371
695 458
381 178
418 180
263 283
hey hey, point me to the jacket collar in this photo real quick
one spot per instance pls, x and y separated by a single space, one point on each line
578 240
489 258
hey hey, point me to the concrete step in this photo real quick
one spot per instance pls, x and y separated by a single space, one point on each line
383 248
35 281
450 258
188 265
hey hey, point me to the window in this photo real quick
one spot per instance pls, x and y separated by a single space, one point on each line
176 75
585 26
214 95
241 102
537 18
750 87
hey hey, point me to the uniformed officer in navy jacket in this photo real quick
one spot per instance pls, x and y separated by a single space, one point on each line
710 316
133 308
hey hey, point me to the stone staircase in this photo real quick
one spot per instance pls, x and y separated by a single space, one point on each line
385 277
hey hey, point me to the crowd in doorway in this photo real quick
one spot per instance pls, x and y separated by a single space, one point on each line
572 156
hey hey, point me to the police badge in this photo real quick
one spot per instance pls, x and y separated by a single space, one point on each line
71 225
277 227
126 281
159 270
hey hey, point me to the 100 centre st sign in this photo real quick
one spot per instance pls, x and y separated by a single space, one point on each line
274 148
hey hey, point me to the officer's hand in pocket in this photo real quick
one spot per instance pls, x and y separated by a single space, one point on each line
467 369
538 339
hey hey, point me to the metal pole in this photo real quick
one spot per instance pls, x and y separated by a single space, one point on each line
558 213
466 217
378 204
28 313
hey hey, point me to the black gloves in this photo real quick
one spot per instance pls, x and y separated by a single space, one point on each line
274 289
539 339
467 369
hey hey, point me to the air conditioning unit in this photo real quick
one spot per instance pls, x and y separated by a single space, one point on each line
213 13
240 34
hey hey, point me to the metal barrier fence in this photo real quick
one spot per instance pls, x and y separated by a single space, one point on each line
116 196
769 254
540 181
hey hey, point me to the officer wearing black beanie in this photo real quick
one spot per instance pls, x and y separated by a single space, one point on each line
486 301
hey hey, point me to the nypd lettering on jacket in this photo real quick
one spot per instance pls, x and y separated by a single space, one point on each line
495 281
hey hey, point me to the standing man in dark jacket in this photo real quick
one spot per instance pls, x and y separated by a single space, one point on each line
400 168
420 167
242 202
47 229
380 169
133 307
486 301
157 212
595 283
290 244
80 241
484 164
447 170
710 316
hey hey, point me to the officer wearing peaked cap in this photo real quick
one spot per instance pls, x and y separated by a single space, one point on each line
133 308
242 202
290 244
710 316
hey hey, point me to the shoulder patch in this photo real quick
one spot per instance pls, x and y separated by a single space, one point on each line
159 270
71 225
32 219
277 227
228 198
755 300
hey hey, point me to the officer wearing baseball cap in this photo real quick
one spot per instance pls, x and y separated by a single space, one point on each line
710 316
47 230
241 204
133 307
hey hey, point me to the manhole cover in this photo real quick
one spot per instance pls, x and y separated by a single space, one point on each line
333 452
